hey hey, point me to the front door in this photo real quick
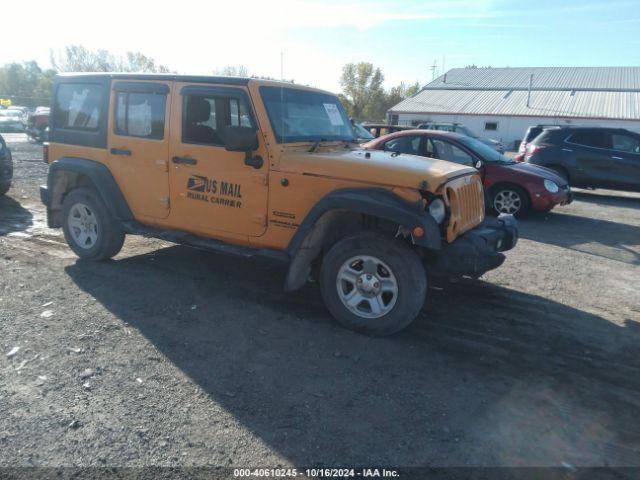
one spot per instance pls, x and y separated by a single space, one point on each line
590 149
213 191
139 146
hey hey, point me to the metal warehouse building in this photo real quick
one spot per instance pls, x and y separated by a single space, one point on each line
501 103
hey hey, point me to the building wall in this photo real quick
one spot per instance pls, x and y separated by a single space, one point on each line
510 129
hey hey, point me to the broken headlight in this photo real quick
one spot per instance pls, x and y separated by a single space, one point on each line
437 210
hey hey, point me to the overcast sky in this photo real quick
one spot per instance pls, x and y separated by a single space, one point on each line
403 38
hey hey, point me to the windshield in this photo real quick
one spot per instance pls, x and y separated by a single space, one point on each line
362 132
301 115
485 151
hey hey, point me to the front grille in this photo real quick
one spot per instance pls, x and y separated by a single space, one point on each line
466 201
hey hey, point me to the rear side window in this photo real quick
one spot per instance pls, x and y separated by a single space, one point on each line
140 115
532 133
590 138
625 143
77 106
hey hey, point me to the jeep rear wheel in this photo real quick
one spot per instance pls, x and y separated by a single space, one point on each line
373 284
89 229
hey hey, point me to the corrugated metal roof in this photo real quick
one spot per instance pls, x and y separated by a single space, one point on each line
550 78
581 104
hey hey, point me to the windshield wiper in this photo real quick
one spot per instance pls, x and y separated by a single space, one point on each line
316 144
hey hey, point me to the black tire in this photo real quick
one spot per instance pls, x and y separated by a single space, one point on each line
405 267
109 234
509 189
4 188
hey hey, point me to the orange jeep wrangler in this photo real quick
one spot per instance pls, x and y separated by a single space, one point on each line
257 167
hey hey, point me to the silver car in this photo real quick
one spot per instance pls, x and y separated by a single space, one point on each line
462 130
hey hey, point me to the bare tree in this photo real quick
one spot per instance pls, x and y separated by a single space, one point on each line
76 58
232 71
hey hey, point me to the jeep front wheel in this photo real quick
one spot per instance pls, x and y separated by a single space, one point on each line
89 229
373 284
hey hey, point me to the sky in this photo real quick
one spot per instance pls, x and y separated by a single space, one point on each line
404 38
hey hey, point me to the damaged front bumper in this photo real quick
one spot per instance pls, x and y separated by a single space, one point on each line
478 250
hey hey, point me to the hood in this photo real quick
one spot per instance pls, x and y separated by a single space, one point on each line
372 166
538 171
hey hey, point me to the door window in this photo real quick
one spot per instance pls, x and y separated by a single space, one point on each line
625 143
444 150
206 115
405 144
140 115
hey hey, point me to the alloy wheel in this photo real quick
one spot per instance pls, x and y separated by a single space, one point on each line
367 286
83 225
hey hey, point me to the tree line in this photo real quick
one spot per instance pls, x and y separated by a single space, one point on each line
363 94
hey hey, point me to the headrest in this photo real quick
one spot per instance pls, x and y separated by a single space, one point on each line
198 110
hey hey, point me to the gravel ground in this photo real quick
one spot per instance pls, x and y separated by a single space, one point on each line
176 357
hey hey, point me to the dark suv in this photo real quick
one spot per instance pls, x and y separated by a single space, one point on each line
590 157
6 167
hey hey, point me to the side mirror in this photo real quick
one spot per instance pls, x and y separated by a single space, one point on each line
242 139
239 139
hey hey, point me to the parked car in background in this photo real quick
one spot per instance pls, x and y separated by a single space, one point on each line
531 133
590 157
510 187
378 129
362 134
38 123
462 130
24 112
6 167
11 121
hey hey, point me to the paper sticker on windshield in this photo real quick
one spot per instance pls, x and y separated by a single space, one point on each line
334 114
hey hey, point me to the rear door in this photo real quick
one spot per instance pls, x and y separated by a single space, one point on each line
138 145
625 158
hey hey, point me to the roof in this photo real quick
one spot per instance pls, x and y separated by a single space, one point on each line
170 77
584 92
544 78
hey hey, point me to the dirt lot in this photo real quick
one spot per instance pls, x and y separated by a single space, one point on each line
173 356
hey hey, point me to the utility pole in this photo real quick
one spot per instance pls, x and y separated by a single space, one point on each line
529 94
433 69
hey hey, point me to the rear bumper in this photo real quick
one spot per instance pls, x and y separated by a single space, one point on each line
479 250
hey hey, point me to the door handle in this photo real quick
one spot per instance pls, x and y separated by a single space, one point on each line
120 151
617 158
567 150
184 160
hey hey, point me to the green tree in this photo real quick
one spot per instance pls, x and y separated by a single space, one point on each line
362 90
19 81
399 93
363 95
